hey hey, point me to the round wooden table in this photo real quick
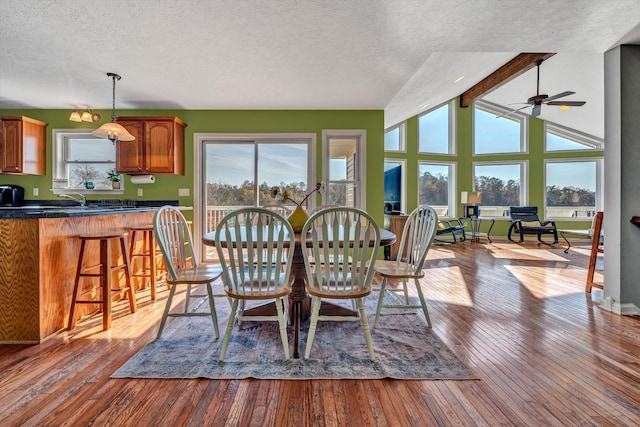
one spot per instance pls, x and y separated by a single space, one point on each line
299 301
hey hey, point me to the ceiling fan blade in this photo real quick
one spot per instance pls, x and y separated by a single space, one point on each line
536 110
560 95
567 103
512 111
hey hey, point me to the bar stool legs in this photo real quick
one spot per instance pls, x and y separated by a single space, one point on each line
150 257
105 270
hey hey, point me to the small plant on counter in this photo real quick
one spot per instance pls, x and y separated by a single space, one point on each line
113 176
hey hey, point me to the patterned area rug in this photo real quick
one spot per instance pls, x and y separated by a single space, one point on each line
404 347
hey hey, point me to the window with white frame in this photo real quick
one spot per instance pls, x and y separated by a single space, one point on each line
573 188
560 138
81 162
394 138
500 185
394 185
435 130
436 186
497 130
343 168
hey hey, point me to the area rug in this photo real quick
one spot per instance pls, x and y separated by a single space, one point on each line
404 347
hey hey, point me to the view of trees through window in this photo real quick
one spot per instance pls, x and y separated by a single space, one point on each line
571 184
224 194
498 192
570 196
434 189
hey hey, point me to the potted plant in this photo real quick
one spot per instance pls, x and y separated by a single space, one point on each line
114 177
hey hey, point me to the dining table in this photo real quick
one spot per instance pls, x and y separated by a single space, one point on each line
299 301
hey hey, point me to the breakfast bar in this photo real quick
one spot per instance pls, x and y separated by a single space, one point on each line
40 249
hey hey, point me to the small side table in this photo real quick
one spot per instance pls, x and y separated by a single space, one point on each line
476 222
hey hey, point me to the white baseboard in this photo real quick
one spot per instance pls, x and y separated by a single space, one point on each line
627 309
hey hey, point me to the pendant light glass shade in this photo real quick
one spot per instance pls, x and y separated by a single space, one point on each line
113 131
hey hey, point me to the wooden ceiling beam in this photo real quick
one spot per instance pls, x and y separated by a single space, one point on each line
512 69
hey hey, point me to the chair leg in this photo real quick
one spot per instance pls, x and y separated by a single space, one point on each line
406 291
283 327
227 333
212 310
380 298
312 326
367 331
423 303
167 307
187 298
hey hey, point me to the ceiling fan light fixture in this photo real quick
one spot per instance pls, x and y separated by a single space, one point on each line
565 107
113 131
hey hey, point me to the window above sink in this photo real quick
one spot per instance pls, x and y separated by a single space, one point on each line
80 158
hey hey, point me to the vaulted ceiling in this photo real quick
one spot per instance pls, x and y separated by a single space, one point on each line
401 56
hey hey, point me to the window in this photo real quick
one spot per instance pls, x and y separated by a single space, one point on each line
559 138
436 187
499 186
573 188
238 170
394 185
80 158
394 138
496 134
343 171
435 130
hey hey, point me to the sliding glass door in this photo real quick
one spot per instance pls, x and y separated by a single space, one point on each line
241 171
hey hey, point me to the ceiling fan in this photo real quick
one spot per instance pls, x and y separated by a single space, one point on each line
537 100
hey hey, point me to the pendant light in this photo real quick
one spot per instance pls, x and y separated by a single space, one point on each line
113 131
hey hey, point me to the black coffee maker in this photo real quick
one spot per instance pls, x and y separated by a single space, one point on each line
11 195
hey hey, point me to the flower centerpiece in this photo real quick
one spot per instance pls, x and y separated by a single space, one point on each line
114 177
299 216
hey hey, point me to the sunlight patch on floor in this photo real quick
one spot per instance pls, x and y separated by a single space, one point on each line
547 283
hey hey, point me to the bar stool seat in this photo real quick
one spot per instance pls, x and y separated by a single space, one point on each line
152 267
105 269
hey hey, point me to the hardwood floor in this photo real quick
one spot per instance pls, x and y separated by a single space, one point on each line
517 315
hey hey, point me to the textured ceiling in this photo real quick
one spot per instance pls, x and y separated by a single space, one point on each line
300 54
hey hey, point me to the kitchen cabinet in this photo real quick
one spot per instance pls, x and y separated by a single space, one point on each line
158 146
23 146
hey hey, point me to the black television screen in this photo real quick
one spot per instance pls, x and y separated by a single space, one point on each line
392 189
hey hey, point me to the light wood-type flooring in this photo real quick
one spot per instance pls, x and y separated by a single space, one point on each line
517 315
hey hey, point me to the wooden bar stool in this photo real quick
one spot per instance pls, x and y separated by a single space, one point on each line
104 275
152 263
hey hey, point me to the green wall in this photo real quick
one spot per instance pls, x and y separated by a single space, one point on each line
312 121
221 121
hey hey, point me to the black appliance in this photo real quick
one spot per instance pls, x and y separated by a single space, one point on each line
11 195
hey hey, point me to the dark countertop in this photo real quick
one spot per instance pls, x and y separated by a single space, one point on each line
66 210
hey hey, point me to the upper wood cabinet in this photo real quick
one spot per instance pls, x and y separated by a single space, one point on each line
158 147
23 146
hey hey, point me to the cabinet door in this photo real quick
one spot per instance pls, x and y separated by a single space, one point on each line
11 146
159 147
129 154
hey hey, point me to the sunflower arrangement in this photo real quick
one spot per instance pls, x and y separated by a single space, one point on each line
285 196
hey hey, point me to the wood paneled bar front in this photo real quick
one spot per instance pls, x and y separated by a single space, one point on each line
39 256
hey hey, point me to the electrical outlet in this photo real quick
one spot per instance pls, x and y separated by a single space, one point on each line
140 192
183 192
36 191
